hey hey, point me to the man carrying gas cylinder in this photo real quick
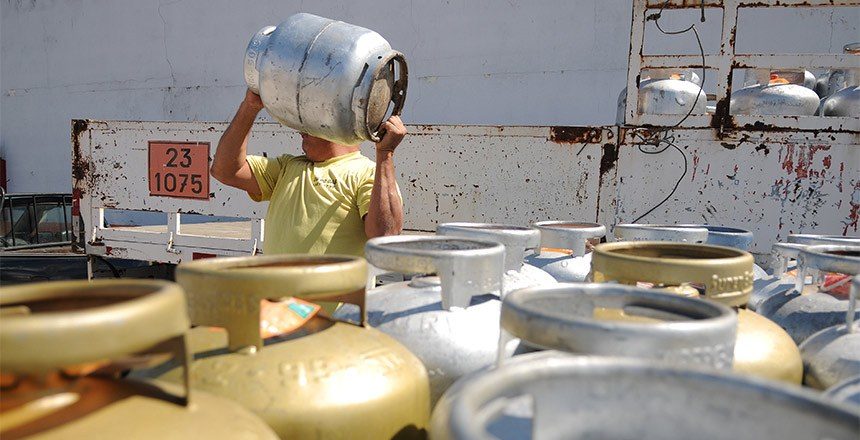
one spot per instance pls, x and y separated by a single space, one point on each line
328 201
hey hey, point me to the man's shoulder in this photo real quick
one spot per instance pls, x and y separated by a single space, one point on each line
286 157
358 164
292 159
355 163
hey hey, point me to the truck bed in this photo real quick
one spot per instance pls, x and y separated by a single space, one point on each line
238 229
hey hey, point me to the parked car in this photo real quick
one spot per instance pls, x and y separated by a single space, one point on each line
36 244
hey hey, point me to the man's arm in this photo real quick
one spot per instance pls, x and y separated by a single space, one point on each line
385 214
229 165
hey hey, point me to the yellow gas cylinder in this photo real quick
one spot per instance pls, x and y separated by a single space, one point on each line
323 379
721 274
62 345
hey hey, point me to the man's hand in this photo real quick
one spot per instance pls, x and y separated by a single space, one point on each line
252 101
394 133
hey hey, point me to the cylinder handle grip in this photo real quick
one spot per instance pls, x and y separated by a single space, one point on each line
466 267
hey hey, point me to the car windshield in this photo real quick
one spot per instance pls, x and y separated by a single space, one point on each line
35 220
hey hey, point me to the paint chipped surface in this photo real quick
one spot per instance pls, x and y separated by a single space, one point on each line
805 184
519 175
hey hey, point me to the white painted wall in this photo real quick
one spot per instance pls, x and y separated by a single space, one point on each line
500 62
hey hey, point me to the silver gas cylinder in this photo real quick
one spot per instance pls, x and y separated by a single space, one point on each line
833 354
755 76
563 251
817 239
667 92
517 240
604 398
834 79
725 236
807 309
619 321
783 256
781 280
847 391
782 94
732 237
450 320
716 235
809 80
844 102
659 232
327 78
828 83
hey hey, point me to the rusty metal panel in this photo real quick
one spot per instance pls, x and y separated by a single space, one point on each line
501 174
483 173
773 183
110 170
110 164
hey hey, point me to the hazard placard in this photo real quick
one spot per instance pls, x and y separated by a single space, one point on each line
179 169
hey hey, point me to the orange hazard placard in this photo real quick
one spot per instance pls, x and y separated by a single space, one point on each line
179 169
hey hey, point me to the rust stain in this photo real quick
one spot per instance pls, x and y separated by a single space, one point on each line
777 3
841 173
608 159
80 165
803 162
853 215
695 165
576 135
801 170
721 118
788 161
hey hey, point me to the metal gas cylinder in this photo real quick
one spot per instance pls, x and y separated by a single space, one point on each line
658 232
721 274
326 78
833 354
781 280
563 251
619 321
732 237
783 277
63 345
782 94
847 391
517 240
725 236
579 397
325 379
667 92
716 235
450 320
815 239
755 76
834 79
807 309
809 80
846 101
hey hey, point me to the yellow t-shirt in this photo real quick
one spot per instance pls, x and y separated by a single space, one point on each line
314 207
